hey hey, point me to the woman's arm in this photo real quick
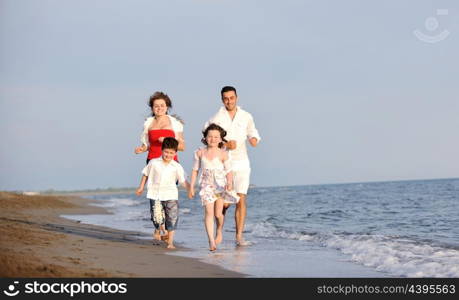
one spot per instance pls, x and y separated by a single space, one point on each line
177 127
144 138
140 149
181 141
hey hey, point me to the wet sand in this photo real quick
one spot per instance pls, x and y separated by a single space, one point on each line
36 242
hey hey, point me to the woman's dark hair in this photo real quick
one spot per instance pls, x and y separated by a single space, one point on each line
157 96
214 126
169 143
228 89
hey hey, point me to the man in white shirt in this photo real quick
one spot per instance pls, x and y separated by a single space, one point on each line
240 127
160 177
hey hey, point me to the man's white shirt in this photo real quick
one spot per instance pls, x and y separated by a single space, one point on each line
241 128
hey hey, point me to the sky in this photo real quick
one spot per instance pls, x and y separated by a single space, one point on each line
340 91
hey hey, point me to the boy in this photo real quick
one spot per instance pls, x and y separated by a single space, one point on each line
161 175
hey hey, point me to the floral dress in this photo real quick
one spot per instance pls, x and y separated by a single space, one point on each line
212 181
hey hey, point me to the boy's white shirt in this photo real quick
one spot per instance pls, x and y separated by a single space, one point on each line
162 179
241 128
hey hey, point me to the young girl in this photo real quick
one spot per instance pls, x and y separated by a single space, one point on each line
216 181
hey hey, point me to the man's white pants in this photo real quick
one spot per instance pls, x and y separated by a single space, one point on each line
241 181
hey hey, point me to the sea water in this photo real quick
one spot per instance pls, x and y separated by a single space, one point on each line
380 229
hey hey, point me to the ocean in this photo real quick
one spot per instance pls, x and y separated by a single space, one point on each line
377 229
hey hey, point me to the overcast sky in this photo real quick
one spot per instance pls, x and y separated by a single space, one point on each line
341 91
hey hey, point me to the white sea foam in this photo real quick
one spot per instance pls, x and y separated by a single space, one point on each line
269 230
396 256
117 202
263 229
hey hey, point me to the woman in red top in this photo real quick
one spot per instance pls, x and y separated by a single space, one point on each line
160 126
155 129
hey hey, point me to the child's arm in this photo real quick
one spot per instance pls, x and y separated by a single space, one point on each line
229 172
229 181
139 191
186 185
181 178
145 174
194 173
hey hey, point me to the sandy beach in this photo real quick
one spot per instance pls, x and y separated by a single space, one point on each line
36 242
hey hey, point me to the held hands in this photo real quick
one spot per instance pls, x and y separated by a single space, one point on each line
191 192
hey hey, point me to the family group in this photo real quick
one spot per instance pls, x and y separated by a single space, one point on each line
221 167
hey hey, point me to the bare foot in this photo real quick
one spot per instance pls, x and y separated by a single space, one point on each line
218 237
243 243
157 236
170 246
212 247
239 239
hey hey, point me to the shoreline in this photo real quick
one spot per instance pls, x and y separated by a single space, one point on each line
36 242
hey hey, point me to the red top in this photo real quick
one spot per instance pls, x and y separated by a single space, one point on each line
155 144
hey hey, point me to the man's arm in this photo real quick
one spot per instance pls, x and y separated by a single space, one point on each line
231 145
252 132
253 142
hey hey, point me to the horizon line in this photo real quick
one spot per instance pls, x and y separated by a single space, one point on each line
251 185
